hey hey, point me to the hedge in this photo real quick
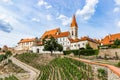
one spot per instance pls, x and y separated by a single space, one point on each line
86 52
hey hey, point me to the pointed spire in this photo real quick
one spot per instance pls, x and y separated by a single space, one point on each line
74 23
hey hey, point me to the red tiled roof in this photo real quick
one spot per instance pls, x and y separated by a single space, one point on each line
109 39
73 40
62 34
88 39
73 23
27 40
50 32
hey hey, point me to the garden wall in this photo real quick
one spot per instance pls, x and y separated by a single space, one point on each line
109 52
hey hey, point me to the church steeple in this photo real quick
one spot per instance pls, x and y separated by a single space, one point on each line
74 28
74 23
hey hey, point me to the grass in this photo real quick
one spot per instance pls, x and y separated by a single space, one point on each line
10 67
9 78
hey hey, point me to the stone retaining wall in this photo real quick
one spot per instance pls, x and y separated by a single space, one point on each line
109 52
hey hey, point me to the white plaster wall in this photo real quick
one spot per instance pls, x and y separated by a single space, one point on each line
64 42
75 45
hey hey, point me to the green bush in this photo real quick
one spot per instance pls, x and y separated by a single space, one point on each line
8 53
86 52
114 46
89 52
118 64
75 52
66 52
102 74
2 56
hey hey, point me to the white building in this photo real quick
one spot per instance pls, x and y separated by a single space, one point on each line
25 44
69 39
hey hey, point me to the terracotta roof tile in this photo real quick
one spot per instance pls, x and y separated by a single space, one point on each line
88 39
73 40
27 40
109 39
50 32
73 23
62 34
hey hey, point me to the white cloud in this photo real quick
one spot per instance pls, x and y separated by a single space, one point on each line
48 6
117 2
35 19
45 4
88 10
65 20
7 1
118 24
48 17
116 9
11 39
19 31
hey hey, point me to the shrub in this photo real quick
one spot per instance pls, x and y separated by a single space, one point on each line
8 53
89 52
75 52
113 46
118 64
2 57
88 46
86 52
66 52
102 74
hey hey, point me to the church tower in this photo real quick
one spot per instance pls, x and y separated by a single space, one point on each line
74 28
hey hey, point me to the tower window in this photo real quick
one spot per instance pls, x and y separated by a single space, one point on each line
72 33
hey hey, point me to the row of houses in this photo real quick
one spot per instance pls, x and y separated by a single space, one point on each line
69 40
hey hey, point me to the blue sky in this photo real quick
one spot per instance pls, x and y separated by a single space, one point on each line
31 18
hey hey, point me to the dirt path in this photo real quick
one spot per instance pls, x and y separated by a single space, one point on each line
34 73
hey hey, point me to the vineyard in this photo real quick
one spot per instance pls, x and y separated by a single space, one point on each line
59 68
56 67
66 69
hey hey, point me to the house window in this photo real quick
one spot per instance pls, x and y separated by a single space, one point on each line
83 44
63 39
75 45
78 45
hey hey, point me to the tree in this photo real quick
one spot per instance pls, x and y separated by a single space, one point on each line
60 47
117 42
88 46
52 45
